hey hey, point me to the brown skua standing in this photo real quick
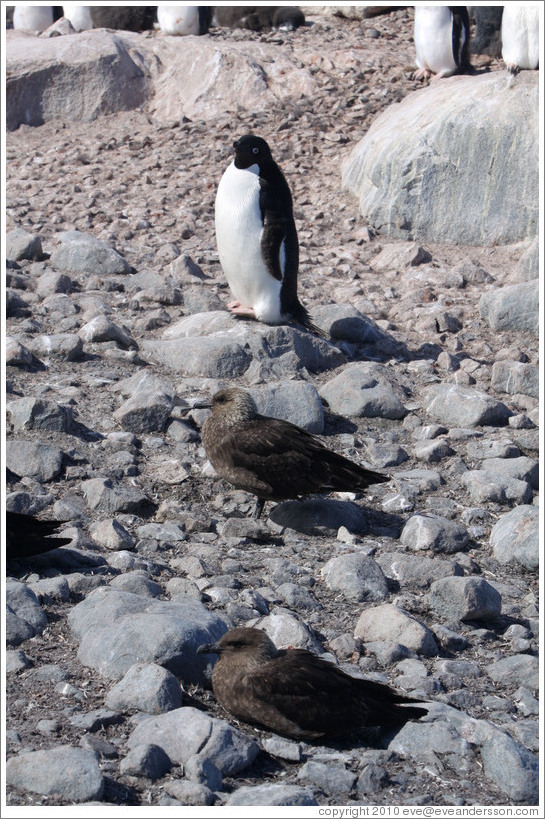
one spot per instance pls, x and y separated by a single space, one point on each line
271 458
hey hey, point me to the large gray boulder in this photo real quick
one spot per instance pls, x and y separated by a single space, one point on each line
99 72
73 78
455 162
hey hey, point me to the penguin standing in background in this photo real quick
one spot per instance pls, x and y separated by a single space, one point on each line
184 20
257 238
79 16
35 18
520 36
441 39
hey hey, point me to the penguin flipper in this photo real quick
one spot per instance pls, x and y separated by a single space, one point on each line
460 37
274 233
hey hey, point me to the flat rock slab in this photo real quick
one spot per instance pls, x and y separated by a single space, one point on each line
188 732
66 772
117 629
263 795
433 167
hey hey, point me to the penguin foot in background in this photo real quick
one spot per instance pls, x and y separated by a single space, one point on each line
421 74
512 68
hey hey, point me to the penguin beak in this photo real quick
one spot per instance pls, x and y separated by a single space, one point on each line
208 648
236 144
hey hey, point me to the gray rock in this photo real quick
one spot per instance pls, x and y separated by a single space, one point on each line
389 623
213 357
512 307
373 778
282 748
463 598
515 537
434 532
294 401
66 772
190 793
364 390
137 583
58 346
514 377
144 412
408 182
104 496
17 355
51 588
264 795
81 253
23 245
356 576
53 282
416 570
523 469
101 329
519 669
502 448
95 720
286 630
116 629
295 597
111 534
24 616
432 451
16 660
484 486
39 414
167 532
423 740
384 455
188 732
34 460
453 405
203 771
344 322
332 778
400 255
513 768
150 761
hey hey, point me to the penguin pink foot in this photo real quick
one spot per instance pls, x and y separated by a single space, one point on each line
239 309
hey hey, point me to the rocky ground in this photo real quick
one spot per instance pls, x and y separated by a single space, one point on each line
105 363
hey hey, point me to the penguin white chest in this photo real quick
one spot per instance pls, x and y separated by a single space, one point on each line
178 20
32 18
433 39
79 16
520 35
239 229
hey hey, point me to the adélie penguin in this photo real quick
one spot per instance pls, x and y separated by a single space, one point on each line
257 238
181 21
441 39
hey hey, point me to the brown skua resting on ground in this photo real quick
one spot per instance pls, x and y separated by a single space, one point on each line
296 693
271 458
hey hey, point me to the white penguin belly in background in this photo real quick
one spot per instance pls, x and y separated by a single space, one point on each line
239 229
520 36
433 41
32 18
178 20
79 16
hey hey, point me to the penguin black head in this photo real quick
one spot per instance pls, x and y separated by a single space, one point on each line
251 150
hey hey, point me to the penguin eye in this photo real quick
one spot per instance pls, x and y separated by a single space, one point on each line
255 150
